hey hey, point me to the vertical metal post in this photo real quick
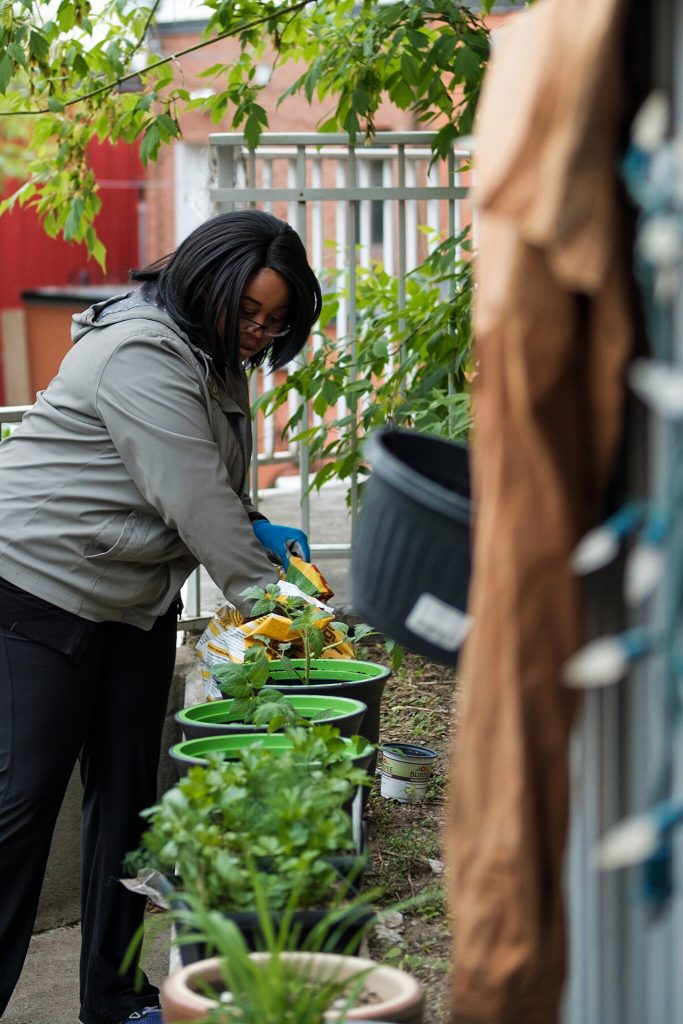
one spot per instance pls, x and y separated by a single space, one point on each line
433 211
365 214
341 219
352 317
251 172
401 235
267 175
387 219
410 167
226 170
304 455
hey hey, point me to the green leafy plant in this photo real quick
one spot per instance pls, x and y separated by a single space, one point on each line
266 600
307 623
254 701
286 810
306 620
408 363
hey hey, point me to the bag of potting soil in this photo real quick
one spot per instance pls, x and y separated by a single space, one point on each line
307 577
228 636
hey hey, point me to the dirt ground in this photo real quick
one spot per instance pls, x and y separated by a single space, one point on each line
405 839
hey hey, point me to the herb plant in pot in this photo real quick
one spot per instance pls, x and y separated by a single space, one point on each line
285 813
253 706
229 746
319 671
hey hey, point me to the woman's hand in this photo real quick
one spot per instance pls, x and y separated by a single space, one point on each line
282 541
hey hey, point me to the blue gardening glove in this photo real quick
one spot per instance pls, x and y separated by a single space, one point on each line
282 541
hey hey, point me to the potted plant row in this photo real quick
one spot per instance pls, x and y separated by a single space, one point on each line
311 653
257 855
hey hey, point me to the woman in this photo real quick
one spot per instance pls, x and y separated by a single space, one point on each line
128 472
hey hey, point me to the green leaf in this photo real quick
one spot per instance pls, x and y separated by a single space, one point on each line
73 225
168 125
66 15
38 45
467 64
96 248
254 124
263 607
6 72
80 65
150 144
16 52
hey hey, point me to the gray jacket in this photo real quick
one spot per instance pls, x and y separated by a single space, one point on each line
128 471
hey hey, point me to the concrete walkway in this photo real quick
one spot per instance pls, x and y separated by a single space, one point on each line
48 990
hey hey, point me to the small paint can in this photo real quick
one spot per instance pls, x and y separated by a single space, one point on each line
406 770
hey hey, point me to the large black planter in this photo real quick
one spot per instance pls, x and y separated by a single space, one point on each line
410 568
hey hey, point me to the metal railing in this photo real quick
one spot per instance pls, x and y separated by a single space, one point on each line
352 204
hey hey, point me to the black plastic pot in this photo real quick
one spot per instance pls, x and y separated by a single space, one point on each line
340 939
410 568
361 680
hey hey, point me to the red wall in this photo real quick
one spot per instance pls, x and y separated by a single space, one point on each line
29 259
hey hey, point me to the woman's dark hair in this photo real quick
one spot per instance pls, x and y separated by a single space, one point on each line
208 272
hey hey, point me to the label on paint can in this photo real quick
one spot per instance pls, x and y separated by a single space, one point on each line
406 770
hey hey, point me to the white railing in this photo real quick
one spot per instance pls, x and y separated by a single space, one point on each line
351 204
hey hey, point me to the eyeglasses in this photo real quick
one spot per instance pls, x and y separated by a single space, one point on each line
267 330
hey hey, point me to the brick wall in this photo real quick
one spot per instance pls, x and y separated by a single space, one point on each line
295 115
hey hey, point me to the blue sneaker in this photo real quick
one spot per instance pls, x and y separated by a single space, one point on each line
149 1014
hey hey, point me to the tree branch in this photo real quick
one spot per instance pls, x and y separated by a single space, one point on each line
294 9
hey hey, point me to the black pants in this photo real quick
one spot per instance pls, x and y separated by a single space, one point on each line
108 711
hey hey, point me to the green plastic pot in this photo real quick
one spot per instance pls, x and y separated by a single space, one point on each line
216 718
196 751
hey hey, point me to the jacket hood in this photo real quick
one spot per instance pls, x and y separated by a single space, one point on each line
140 301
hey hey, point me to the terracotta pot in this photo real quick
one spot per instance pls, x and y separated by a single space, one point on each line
401 996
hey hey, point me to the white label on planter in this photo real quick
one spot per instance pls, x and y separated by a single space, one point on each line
440 623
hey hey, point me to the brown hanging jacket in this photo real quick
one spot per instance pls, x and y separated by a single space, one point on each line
553 328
